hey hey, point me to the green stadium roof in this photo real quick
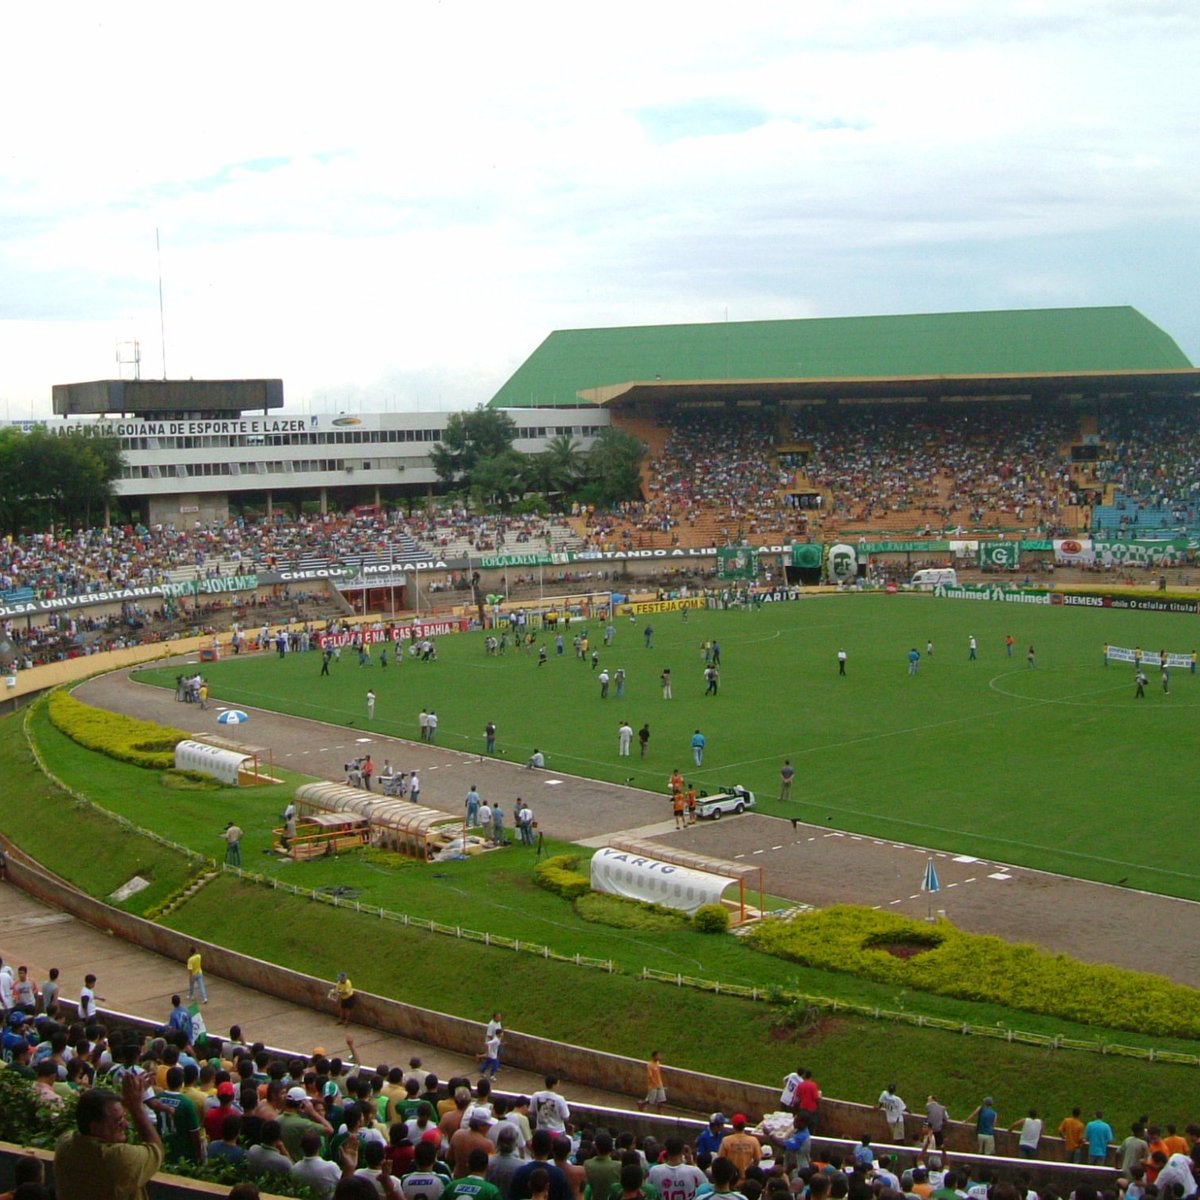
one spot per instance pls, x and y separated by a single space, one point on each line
1016 343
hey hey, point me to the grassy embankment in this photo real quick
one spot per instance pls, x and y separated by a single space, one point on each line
617 1012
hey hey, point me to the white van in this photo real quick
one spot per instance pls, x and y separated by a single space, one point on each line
933 577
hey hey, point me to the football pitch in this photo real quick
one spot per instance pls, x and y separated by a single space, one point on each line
1057 767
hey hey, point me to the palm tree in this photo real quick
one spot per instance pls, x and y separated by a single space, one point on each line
559 467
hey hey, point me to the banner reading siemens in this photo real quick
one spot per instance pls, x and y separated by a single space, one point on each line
1132 603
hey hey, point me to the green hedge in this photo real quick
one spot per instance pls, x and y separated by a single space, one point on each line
949 962
711 918
142 743
558 875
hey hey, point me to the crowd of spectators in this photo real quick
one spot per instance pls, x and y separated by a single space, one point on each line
715 473
746 474
1152 456
947 466
84 562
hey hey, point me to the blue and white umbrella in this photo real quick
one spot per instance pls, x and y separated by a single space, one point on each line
930 882
930 885
233 716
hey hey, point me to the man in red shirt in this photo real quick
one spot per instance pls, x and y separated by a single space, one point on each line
214 1118
808 1099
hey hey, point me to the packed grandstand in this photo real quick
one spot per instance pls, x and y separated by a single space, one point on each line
711 478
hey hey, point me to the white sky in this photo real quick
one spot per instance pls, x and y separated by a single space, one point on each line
389 206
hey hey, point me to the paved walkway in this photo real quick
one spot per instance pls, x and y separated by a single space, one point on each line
137 983
809 864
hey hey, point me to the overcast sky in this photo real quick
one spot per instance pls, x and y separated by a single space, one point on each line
389 206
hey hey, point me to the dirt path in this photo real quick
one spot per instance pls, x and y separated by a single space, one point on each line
816 865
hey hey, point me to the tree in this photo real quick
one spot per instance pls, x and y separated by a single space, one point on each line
47 480
499 477
559 467
614 466
469 437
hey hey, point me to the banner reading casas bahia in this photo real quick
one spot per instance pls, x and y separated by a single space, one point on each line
737 562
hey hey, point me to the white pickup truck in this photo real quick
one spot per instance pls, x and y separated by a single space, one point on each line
733 800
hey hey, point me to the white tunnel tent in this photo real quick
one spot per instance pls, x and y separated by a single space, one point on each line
395 824
638 877
227 766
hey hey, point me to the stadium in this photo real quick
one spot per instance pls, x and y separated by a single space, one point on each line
794 476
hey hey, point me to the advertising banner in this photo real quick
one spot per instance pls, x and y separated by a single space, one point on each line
1118 552
1070 551
1000 556
1139 658
1113 600
807 556
737 562
841 564
1111 552
992 593
540 559
621 873
924 547
211 587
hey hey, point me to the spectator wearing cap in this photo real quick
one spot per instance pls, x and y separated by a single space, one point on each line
741 1148
299 1117
17 1027
214 1117
710 1139
472 1135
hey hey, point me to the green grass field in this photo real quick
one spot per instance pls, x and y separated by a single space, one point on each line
1058 767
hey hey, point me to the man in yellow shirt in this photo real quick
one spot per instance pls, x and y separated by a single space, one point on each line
195 972
95 1162
741 1148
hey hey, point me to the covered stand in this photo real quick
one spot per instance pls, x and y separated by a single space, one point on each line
394 824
